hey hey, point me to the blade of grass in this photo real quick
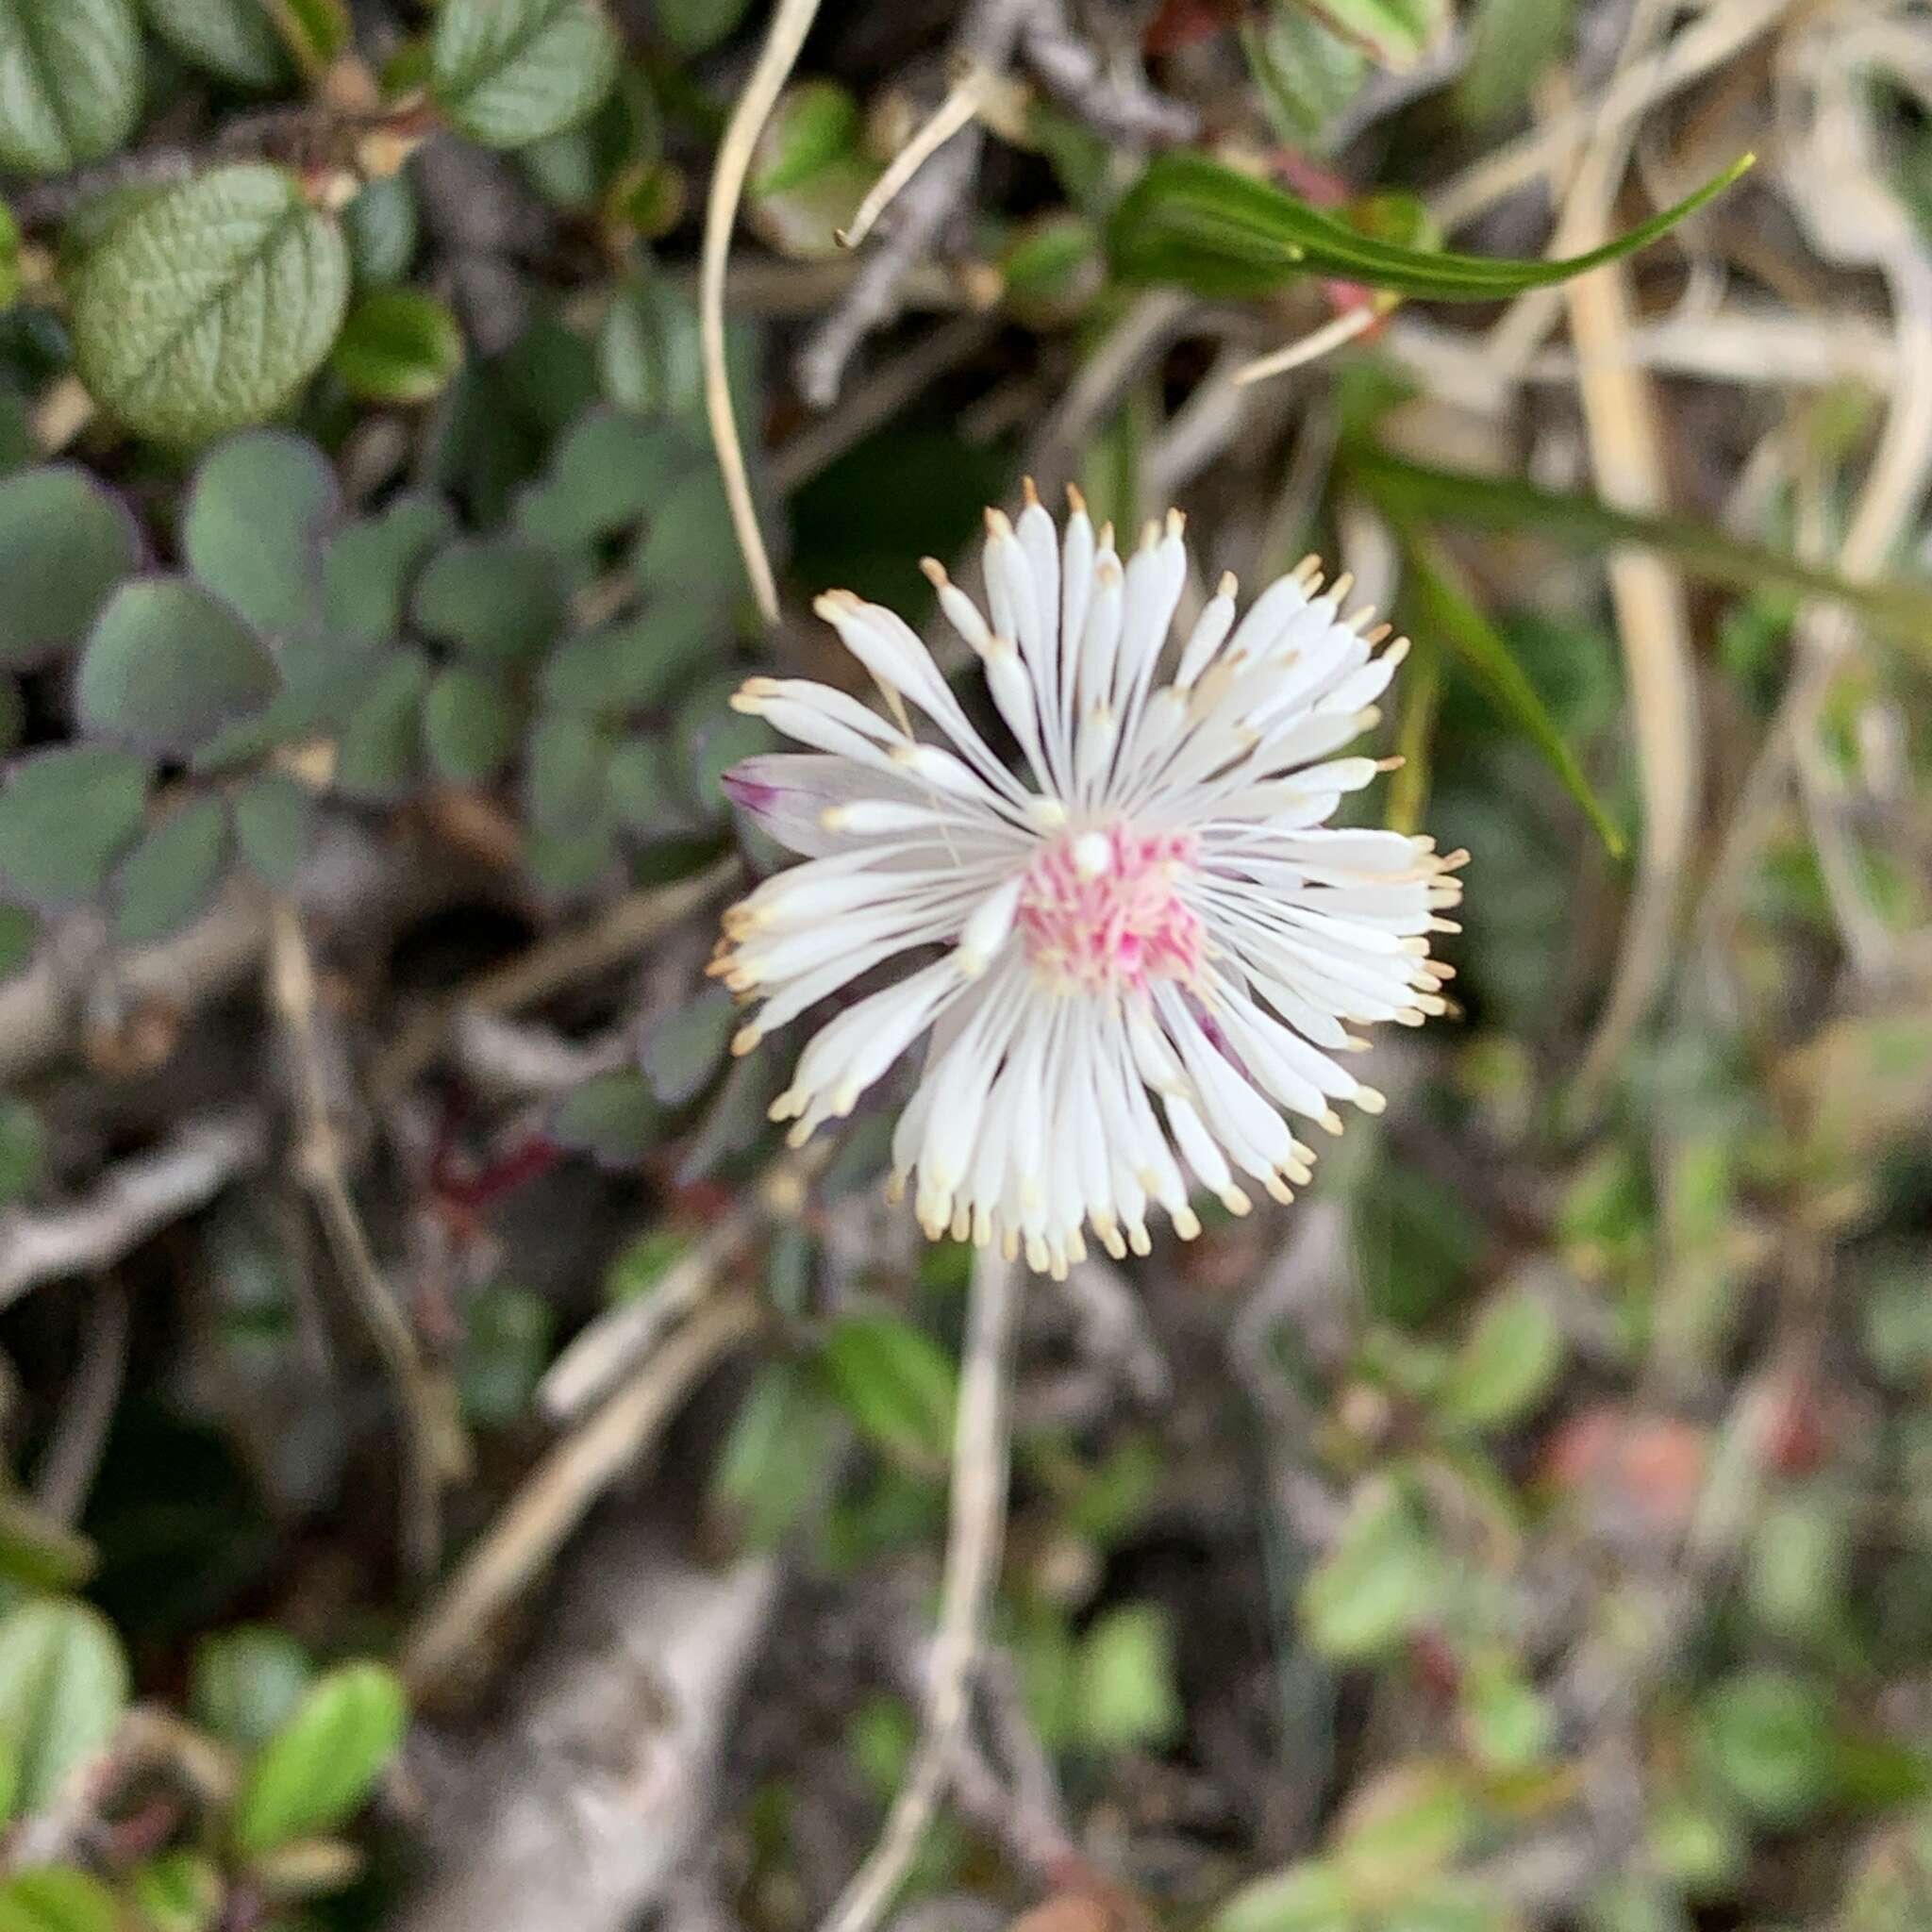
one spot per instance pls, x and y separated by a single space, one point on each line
1444 608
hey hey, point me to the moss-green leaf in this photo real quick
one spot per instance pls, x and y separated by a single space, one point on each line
234 39
611 1117
495 599
64 545
317 1769
247 1684
377 751
398 346
63 1686
23 1155
372 566
896 1385
211 304
274 821
57 1898
168 666
179 1891
1381 1578
1510 1358
1124 1690
469 725
64 817
70 81
1220 232
511 72
262 507
172 873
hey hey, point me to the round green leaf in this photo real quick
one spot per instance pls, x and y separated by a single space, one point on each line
172 873
639 784
64 545
70 81
383 230
563 774
398 346
63 1686
179 1891
377 752
317 1769
372 566
695 26
1126 1683
274 820
235 38
22 1147
1768 1737
469 725
777 1460
611 1117
1511 1357
607 474
511 72
64 818
247 1683
1304 1898
688 1045
688 548
57 1898
495 599
169 666
896 1385
211 304
1383 1576
262 505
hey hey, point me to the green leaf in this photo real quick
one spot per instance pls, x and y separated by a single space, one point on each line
247 1683
370 568
398 346
275 822
777 1459
688 549
63 1686
172 873
507 1346
64 818
262 504
639 785
511 72
234 39
1194 221
383 230
57 1898
1767 1735
19 930
612 1118
494 598
1507 1364
635 663
9 1779
168 666
1443 607
647 350
815 125
1510 43
469 725
1396 33
22 1158
211 304
318 1768
1505 503
896 1383
70 82
378 746
64 545
179 1892
688 1045
1381 1579
318 32
1304 1898
563 776
608 472
1124 1683
695 26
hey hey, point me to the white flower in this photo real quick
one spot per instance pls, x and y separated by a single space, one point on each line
1128 969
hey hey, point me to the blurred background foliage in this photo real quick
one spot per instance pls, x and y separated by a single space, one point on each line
456 1469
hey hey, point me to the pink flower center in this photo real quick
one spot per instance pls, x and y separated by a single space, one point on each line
1100 912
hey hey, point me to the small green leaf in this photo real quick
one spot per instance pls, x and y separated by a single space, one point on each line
695 26
511 72
383 230
469 725
63 1686
495 598
23 1156
64 545
688 1045
19 930
398 346
1306 73
507 1346
1304 1898
635 663
612 1118
777 1459
57 1898
234 39
378 746
815 124
275 822
318 1769
1194 221
896 1383
688 549
70 82
262 507
1396 33
563 777
318 32
1511 1725
1124 1690
211 304
247 1683
1768 1737
1507 1366
172 873
179 1892
1510 43
1383 1576
608 472
1444 607
639 784
168 667
65 816
370 568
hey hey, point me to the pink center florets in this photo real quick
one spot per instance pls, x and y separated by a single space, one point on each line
1101 910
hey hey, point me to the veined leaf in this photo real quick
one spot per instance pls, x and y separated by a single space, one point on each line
70 81
1191 220
1505 503
1445 607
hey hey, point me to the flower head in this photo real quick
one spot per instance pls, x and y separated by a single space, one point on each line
1128 969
